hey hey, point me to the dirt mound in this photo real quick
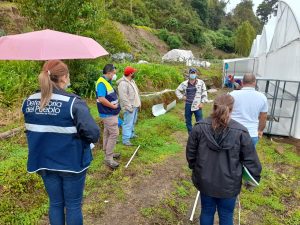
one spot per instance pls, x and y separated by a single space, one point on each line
11 22
143 41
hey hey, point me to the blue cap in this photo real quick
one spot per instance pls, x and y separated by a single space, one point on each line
193 70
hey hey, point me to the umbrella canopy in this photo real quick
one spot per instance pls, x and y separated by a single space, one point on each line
47 45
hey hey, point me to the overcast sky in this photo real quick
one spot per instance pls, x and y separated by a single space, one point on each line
233 3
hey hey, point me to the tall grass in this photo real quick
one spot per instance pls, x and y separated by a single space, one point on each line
17 80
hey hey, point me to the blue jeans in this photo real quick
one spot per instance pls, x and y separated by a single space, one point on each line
188 116
225 208
254 141
65 190
130 119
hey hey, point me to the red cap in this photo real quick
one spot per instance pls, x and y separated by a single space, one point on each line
129 70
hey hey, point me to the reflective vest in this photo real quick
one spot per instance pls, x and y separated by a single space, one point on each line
111 96
52 137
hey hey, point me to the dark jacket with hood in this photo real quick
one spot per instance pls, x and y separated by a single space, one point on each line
217 158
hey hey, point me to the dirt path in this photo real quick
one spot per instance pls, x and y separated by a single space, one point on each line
145 191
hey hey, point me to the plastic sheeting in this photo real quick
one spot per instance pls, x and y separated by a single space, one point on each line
178 55
255 47
278 57
159 109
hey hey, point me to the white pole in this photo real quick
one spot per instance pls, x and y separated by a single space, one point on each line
132 156
194 207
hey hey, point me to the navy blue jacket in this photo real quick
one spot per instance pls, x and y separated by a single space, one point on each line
59 136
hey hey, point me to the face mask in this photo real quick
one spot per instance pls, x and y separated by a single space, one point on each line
67 85
193 76
114 77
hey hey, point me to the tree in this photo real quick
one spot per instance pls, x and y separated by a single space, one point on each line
244 12
216 13
265 9
244 37
201 7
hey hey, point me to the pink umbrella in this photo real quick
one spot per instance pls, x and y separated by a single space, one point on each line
47 45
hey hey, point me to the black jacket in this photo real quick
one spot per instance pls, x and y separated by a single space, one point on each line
216 160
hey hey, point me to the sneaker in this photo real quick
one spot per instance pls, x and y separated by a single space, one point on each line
111 163
116 155
128 143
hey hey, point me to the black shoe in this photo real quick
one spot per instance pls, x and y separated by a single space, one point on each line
116 155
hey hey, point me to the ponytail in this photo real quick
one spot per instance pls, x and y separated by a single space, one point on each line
49 78
222 108
46 88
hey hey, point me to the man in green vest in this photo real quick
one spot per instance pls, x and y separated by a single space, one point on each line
108 108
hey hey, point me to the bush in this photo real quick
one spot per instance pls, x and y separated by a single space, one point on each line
154 77
2 33
111 38
122 16
174 41
18 79
172 24
193 34
222 39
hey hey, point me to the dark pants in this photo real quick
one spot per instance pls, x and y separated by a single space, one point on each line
65 191
225 208
188 116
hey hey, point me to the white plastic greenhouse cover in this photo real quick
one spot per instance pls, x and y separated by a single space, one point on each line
283 59
266 36
255 47
288 25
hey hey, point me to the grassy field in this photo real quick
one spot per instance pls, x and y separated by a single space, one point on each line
162 140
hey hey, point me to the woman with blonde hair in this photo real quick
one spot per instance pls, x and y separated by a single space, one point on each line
59 129
216 151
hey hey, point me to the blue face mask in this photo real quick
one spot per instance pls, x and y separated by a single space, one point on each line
193 76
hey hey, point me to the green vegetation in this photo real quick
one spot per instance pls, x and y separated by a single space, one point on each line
17 80
244 37
273 202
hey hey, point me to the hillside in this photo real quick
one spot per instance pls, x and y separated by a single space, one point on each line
11 22
144 43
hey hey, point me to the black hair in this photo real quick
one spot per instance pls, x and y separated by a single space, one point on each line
108 68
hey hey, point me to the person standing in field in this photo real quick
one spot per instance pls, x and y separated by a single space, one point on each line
250 108
59 130
130 103
108 108
193 92
217 149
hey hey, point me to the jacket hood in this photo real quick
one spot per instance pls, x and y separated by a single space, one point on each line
122 79
222 144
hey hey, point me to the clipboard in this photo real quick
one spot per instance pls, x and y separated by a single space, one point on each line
247 177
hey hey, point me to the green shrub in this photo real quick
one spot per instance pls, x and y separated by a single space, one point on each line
154 77
2 33
122 16
193 34
174 41
17 80
222 39
111 38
